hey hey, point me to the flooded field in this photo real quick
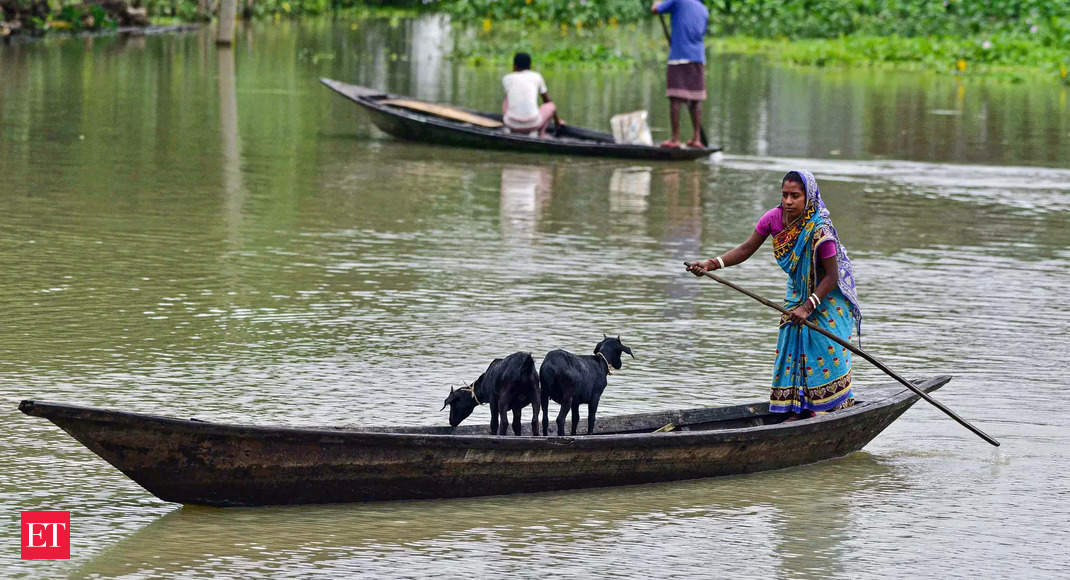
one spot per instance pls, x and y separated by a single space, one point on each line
198 232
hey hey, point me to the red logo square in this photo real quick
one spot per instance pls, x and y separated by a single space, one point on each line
46 535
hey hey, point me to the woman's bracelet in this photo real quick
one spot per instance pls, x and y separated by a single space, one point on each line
720 263
814 300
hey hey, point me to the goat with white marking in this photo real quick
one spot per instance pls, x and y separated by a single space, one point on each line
572 380
508 384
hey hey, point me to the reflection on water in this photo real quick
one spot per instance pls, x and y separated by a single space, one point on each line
215 235
683 517
525 196
629 189
427 56
683 206
228 129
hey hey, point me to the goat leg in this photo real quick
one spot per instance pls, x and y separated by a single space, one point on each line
535 416
561 418
544 398
516 422
592 408
503 427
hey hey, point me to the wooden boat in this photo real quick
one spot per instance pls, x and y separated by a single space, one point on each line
415 120
199 462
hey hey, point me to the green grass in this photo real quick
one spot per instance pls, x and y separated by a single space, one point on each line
996 54
629 46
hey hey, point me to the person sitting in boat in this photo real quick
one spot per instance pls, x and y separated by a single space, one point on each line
812 373
521 110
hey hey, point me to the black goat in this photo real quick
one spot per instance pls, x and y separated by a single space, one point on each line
508 384
573 380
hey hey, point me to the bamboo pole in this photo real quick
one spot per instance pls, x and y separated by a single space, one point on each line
860 353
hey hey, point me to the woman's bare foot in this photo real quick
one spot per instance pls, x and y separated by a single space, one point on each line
807 414
695 144
670 144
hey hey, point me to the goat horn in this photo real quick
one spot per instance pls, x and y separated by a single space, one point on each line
603 336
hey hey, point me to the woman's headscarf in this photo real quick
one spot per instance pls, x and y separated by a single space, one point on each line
846 280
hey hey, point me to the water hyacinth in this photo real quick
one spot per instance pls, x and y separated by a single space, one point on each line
798 18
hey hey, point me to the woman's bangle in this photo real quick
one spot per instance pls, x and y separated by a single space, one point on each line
720 263
814 300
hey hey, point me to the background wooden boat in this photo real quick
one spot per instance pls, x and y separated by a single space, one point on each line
411 125
197 462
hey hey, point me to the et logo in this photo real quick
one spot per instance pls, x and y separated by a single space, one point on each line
46 535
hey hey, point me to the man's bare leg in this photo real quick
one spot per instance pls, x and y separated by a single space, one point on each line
695 107
674 118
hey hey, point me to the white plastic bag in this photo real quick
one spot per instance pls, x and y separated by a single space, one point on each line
631 128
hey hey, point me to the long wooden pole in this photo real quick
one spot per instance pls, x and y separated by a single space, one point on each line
860 353
665 29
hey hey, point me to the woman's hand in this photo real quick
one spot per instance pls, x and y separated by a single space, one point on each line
800 313
697 268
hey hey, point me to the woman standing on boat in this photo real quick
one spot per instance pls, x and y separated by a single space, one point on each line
812 374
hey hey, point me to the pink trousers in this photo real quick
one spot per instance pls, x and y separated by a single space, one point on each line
546 113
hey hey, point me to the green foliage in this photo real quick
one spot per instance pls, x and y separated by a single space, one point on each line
957 35
991 53
796 18
569 12
291 8
80 17
558 46
908 18
954 35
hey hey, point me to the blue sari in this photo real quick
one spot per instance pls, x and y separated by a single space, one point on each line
812 372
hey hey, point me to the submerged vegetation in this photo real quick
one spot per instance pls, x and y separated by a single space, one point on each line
625 46
956 35
961 36
1046 19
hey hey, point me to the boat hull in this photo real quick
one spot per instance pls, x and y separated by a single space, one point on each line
196 462
413 126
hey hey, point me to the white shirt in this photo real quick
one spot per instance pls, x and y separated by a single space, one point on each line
522 90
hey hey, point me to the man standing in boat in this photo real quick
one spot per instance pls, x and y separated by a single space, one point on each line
686 71
521 110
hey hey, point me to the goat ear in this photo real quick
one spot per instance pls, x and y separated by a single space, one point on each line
451 389
627 350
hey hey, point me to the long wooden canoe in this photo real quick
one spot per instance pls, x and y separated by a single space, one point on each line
198 462
414 120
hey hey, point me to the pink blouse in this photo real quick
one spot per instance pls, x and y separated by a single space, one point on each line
772 222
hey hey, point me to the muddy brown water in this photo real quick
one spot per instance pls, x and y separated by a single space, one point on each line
194 232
